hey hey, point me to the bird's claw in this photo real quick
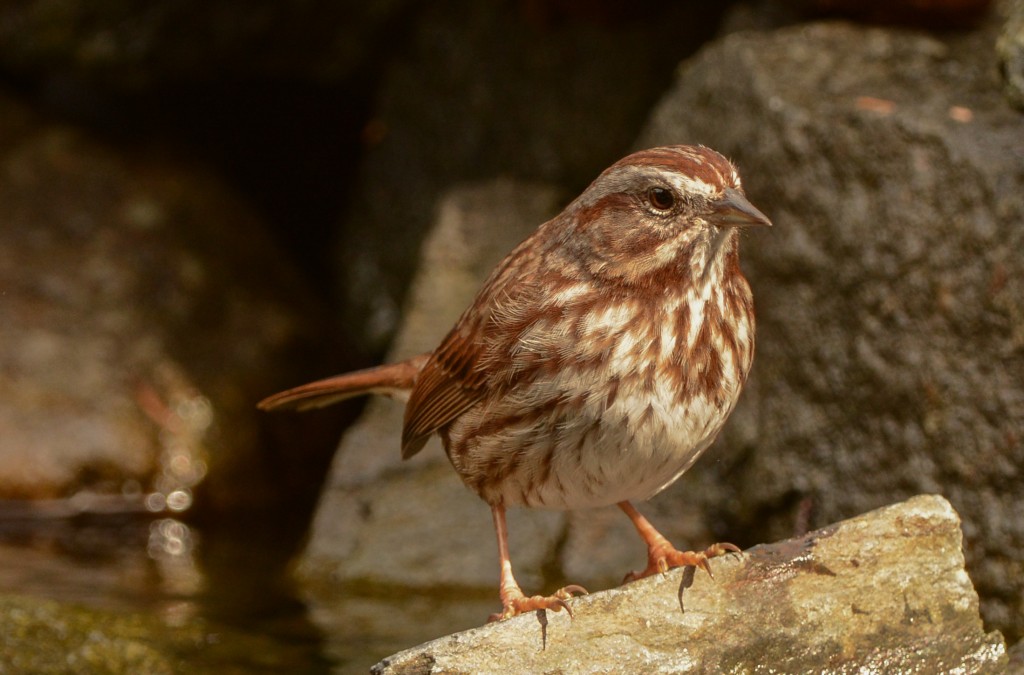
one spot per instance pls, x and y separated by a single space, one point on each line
662 559
515 604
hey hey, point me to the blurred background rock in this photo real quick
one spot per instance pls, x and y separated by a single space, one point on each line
204 202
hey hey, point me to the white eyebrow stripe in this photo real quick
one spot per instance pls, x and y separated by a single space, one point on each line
622 178
690 184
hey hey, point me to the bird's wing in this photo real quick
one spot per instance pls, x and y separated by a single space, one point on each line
449 384
474 359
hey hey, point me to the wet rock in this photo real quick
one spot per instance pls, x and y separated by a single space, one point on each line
382 521
144 311
889 298
883 592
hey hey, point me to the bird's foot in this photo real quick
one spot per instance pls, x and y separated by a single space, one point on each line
514 602
663 557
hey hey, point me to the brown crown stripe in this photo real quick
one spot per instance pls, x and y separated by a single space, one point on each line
700 163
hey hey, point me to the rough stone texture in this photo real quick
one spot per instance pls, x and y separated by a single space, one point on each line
142 313
1010 47
549 91
883 592
889 295
130 45
382 521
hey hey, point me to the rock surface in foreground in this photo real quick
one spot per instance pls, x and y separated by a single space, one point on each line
886 591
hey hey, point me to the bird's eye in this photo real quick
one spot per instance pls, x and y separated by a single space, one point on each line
661 198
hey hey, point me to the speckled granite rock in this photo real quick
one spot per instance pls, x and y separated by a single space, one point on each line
884 592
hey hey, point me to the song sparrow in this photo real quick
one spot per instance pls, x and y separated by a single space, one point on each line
599 360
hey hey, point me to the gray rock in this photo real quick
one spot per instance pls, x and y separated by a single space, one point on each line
889 295
883 592
384 522
143 311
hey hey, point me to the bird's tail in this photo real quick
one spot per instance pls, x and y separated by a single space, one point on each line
392 379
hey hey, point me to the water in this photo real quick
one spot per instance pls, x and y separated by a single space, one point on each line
231 579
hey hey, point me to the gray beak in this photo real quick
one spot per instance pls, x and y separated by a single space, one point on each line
733 210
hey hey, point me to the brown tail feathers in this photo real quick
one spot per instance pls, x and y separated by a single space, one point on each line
392 379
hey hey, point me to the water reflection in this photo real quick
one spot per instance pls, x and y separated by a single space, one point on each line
184 418
227 581
363 626
172 547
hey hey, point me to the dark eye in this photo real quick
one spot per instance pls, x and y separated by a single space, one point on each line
661 198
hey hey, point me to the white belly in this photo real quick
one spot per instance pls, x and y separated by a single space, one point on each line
642 444
594 454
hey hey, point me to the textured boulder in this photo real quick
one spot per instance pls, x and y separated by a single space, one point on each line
889 295
884 592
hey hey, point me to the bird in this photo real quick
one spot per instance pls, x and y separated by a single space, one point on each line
598 361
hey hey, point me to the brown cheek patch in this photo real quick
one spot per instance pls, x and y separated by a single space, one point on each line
642 245
616 201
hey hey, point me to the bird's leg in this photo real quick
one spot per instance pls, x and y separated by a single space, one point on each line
513 600
662 555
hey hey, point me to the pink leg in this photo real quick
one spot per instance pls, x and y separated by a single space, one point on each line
662 555
513 600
